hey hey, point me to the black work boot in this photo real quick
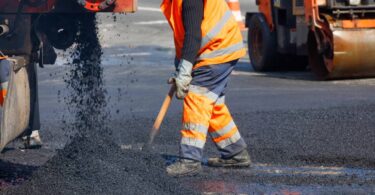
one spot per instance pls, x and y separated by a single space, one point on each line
184 167
239 160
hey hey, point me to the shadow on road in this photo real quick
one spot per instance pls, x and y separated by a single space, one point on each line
245 68
12 174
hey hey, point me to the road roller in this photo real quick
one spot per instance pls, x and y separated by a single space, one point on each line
30 31
335 38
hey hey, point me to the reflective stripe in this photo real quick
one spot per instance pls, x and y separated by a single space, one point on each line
221 100
195 127
223 131
229 50
217 29
4 85
203 91
193 142
193 134
229 141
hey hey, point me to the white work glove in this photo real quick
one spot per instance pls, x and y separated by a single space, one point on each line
182 78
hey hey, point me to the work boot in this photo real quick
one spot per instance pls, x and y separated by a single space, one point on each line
184 167
32 141
239 160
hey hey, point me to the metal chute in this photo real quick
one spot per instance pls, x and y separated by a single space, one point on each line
16 110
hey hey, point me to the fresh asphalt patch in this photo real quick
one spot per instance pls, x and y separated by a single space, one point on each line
115 164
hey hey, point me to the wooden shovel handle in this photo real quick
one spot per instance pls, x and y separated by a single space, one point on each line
163 111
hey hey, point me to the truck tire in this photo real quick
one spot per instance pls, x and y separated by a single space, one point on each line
262 44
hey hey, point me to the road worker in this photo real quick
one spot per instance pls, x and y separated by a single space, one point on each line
31 138
208 45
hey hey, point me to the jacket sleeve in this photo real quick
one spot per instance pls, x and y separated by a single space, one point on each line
192 15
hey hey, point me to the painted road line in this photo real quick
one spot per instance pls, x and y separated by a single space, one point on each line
131 54
155 22
313 171
241 73
213 187
150 9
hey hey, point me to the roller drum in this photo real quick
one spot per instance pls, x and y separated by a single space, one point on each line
354 53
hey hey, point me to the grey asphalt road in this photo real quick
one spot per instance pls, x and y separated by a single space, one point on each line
304 136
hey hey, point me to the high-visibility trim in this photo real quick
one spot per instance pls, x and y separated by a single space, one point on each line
224 131
217 29
193 142
193 134
226 142
226 136
220 101
225 58
195 127
216 33
203 91
220 52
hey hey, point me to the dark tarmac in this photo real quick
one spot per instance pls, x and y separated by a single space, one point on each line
304 136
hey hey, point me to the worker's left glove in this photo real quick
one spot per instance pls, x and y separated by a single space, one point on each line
182 78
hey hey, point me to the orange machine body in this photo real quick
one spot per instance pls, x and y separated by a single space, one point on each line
336 36
11 6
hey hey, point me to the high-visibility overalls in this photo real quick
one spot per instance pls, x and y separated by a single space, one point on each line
204 109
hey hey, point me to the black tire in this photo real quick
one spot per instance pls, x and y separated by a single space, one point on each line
262 44
316 60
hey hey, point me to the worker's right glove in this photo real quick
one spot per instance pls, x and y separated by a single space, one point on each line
182 78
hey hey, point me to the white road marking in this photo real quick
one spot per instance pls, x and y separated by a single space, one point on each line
240 73
131 54
150 9
151 22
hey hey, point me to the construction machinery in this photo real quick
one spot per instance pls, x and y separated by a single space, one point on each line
30 31
336 37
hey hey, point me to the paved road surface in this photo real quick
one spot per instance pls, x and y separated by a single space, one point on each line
304 136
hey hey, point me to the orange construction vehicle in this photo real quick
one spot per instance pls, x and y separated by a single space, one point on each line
336 37
29 32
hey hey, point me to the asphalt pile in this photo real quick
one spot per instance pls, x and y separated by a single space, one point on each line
92 163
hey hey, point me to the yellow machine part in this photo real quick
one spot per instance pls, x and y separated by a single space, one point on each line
16 110
353 53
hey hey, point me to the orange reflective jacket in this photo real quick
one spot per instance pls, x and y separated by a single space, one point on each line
221 36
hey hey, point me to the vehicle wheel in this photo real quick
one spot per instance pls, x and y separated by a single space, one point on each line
316 59
262 44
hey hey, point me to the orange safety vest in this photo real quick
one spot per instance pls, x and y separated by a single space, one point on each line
221 37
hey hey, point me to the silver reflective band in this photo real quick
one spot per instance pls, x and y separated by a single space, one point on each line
193 142
220 52
4 85
217 29
203 91
221 100
195 127
229 141
223 131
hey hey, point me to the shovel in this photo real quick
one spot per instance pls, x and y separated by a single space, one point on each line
159 119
